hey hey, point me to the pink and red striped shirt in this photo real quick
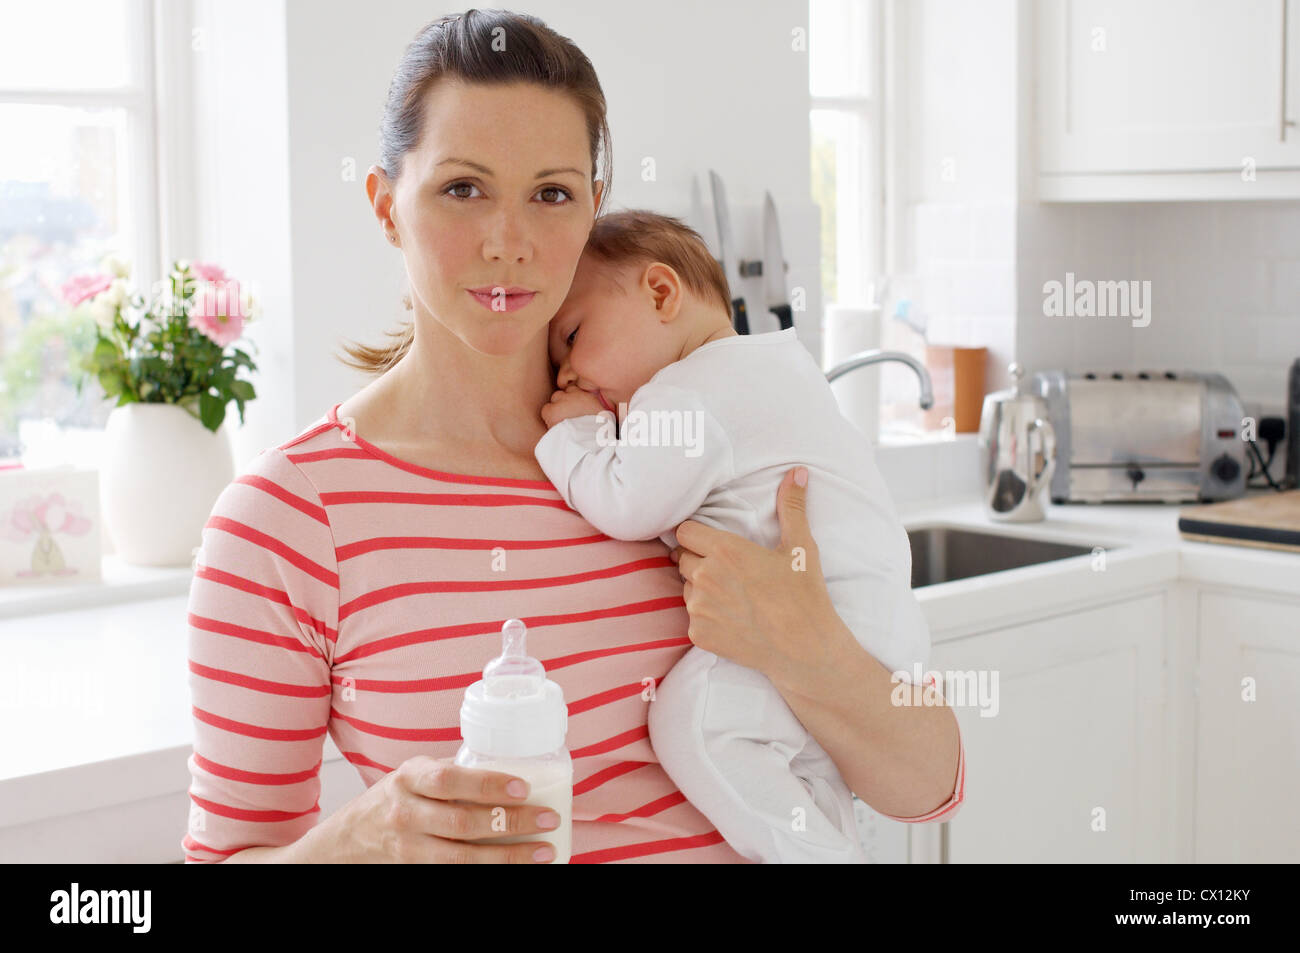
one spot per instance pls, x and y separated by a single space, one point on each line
342 590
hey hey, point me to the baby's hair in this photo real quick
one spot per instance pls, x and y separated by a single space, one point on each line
639 236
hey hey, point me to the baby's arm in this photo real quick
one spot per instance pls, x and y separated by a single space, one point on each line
643 482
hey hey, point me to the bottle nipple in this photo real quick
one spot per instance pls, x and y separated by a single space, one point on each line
513 672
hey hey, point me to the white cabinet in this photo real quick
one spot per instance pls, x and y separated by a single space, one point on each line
1068 767
1168 98
1248 728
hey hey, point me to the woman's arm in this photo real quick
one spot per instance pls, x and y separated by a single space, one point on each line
896 745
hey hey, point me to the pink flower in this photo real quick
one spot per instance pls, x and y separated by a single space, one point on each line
218 311
208 272
78 289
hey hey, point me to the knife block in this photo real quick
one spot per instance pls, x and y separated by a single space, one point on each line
957 376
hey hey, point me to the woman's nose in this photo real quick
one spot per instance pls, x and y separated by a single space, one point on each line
507 239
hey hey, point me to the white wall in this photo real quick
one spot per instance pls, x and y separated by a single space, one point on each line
292 90
958 181
1225 289
1225 275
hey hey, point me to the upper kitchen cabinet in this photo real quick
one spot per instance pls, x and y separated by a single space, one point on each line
1167 99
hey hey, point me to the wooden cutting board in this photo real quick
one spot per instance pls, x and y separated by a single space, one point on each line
1267 521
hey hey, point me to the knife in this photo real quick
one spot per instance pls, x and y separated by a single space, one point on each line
774 266
739 314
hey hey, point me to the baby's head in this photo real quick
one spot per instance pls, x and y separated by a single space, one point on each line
646 293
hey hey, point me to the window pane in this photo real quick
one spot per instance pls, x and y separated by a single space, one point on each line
824 169
65 44
61 211
840 173
838 55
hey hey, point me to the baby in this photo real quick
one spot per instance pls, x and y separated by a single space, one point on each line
664 413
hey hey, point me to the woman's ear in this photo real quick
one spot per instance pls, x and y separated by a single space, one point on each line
598 189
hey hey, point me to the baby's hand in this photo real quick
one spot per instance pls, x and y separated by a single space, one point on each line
573 401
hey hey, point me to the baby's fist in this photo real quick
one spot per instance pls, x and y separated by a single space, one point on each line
573 401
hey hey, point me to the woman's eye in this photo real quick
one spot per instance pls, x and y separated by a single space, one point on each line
554 188
459 185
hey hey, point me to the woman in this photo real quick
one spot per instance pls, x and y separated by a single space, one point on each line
355 579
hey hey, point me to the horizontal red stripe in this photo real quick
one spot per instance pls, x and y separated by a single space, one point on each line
257 731
273 545
351 436
361 760
221 577
617 693
593 781
253 635
612 744
390 593
254 777
307 435
463 679
260 684
240 814
645 849
361 547
347 497
462 630
280 493
189 843
399 734
647 810
333 453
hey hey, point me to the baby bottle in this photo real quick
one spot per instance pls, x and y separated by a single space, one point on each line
514 720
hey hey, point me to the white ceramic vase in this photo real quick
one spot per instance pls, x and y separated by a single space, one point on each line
162 472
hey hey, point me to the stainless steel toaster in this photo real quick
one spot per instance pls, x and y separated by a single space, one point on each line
1154 436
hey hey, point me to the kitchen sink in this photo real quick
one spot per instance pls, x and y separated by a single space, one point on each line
944 553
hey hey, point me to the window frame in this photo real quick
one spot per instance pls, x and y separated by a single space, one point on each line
868 221
155 154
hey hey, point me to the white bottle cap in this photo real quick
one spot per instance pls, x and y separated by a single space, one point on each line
514 711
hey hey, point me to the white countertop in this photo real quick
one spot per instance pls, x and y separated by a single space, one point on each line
98 712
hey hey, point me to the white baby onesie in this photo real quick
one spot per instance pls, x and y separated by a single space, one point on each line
709 438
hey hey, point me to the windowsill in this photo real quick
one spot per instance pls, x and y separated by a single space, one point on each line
904 439
121 582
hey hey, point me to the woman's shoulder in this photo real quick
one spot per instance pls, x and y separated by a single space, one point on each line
277 477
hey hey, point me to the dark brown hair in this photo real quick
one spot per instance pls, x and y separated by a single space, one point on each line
461 46
640 237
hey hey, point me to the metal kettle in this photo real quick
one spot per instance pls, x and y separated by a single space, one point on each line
1017 452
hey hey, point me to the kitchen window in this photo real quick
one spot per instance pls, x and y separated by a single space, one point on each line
78 180
855 182
844 84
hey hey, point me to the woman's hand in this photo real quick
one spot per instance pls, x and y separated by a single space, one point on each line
573 401
759 606
424 812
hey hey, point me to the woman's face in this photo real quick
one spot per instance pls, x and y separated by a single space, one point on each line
497 199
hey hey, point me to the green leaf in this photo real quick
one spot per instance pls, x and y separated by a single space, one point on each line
242 390
212 410
105 353
112 382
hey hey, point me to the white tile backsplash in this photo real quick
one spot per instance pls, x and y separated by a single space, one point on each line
1225 288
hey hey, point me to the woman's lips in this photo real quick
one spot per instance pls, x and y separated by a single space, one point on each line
508 302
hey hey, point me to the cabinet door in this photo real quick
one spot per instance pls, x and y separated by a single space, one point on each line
1247 750
1066 768
1166 85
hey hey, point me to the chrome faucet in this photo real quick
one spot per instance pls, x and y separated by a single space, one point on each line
875 356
